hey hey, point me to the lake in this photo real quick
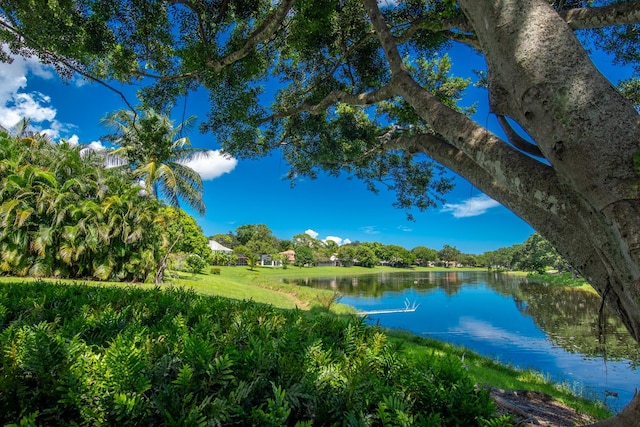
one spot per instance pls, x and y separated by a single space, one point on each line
528 325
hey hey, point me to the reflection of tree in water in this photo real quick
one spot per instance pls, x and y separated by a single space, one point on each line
375 285
570 318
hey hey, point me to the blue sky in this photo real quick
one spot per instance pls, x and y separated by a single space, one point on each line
254 192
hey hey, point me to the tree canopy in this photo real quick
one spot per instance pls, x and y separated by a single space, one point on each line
363 87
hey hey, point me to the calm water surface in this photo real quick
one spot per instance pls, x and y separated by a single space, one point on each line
528 325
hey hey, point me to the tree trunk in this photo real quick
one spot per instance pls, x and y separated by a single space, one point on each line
541 76
584 197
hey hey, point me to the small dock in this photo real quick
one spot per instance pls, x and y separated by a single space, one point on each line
407 309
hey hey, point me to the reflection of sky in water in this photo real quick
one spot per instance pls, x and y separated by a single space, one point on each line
489 323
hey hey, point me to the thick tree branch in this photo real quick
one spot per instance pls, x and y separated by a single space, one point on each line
489 152
335 96
526 178
261 34
605 16
519 142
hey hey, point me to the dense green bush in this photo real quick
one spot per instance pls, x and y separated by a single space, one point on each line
113 356
63 214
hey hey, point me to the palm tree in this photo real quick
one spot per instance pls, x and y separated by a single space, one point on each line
157 152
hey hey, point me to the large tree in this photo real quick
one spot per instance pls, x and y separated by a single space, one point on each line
364 89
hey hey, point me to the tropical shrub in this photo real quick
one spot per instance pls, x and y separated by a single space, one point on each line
78 355
63 214
195 264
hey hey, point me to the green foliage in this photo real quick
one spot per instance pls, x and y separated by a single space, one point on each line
423 254
65 215
195 263
502 258
449 253
256 233
183 230
365 256
112 356
630 88
155 149
538 255
304 256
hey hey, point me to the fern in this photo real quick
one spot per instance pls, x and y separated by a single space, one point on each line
112 356
184 379
220 370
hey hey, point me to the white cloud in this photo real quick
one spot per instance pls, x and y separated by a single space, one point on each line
311 233
213 165
96 145
16 103
73 140
336 239
339 240
471 207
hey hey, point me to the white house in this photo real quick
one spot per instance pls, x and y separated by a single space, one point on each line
217 247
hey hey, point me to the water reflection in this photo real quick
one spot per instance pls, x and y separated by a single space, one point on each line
529 325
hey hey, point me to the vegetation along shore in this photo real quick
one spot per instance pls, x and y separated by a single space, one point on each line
237 347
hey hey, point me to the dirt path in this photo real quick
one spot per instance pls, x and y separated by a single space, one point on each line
531 408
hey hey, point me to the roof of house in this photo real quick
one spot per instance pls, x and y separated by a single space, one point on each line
290 254
215 246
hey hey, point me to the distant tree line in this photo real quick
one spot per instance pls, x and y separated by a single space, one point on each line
254 240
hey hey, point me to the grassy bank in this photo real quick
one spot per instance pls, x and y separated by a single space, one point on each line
561 279
263 285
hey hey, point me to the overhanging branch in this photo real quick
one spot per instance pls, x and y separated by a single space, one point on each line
334 97
515 197
261 34
501 161
605 16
